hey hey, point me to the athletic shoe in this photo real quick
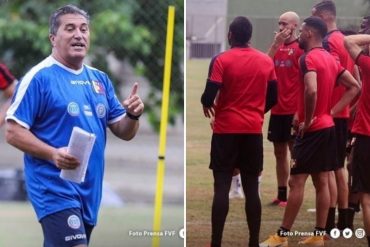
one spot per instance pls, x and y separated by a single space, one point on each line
315 241
236 190
236 194
275 241
279 203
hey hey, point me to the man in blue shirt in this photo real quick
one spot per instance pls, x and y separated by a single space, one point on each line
56 95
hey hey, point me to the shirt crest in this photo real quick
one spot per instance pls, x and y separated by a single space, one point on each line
98 87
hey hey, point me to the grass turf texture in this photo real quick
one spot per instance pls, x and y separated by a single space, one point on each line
199 182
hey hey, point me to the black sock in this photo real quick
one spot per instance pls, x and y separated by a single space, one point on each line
283 232
319 231
352 209
282 193
342 218
330 220
350 217
354 206
368 241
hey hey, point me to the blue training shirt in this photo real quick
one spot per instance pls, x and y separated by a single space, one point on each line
49 101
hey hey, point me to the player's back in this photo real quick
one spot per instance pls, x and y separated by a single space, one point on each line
241 102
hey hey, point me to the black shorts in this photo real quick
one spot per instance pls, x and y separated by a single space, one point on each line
65 229
315 152
341 134
243 151
361 164
280 128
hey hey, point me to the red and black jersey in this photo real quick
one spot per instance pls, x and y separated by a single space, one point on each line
334 44
361 124
243 75
6 78
327 71
287 73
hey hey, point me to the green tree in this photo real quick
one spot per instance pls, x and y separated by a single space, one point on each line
122 28
155 25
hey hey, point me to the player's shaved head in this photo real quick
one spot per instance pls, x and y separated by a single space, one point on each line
291 17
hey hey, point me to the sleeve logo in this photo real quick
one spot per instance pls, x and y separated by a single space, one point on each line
100 110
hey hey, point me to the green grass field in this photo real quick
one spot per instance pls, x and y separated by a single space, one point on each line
19 227
199 181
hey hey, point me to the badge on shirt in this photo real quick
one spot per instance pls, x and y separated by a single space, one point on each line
98 87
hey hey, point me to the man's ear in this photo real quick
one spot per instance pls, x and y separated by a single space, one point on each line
309 33
52 39
229 35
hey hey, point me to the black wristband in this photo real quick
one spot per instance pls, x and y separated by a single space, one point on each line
133 117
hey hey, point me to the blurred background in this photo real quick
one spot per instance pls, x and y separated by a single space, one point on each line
207 21
128 42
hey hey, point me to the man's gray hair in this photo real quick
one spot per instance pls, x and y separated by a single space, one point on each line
54 21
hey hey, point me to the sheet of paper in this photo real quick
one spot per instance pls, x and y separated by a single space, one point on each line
80 146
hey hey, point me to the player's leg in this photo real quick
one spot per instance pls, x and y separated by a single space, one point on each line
220 205
342 185
296 193
320 181
365 204
65 229
251 164
333 195
361 173
223 160
279 132
252 207
282 169
353 197
341 133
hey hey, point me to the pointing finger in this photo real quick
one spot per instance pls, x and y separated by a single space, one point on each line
134 89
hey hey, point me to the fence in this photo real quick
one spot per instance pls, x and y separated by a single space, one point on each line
207 35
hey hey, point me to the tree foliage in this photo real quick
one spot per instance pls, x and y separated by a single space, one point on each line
130 30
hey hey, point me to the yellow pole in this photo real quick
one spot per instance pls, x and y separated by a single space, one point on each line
163 126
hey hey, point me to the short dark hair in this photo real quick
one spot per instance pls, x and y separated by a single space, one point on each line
365 25
326 5
54 22
318 24
241 29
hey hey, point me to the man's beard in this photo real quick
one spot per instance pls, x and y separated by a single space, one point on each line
302 45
